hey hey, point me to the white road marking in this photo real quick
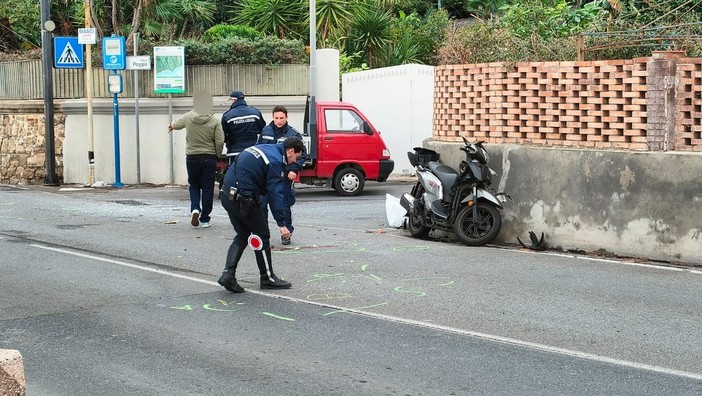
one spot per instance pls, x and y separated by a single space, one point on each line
475 334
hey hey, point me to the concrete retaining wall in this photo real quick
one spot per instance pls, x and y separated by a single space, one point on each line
12 382
636 204
22 149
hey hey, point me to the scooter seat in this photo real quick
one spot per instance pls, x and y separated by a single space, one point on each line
446 174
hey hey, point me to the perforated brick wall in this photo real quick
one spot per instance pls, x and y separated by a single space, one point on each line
688 120
638 104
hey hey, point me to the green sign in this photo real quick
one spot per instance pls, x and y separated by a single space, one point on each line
169 70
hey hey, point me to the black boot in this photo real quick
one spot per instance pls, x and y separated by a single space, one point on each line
273 282
268 278
228 278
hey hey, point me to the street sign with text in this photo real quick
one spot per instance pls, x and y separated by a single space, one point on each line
139 62
114 56
87 36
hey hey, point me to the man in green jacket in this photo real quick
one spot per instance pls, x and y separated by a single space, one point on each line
204 141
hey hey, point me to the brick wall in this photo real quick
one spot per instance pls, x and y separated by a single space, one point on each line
638 104
688 119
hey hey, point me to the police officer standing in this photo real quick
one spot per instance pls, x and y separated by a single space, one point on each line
241 124
275 132
257 171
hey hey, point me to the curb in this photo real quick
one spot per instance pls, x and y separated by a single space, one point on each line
12 381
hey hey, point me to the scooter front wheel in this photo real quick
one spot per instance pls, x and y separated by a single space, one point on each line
482 231
414 224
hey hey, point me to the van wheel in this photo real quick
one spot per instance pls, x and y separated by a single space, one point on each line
349 182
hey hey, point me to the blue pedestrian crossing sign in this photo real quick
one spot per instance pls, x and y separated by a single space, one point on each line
68 54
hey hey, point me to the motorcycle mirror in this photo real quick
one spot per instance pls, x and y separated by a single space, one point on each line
465 140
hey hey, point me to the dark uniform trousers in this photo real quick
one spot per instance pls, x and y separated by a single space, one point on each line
246 216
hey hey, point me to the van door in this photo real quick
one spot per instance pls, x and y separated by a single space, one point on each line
346 137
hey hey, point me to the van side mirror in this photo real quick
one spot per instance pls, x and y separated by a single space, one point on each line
367 129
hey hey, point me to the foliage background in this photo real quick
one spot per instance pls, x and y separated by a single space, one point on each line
370 33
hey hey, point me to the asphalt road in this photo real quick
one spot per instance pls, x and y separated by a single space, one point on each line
112 292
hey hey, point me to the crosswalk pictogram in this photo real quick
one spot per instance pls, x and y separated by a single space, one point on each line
68 53
68 56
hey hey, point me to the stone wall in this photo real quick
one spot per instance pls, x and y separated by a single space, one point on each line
22 143
12 380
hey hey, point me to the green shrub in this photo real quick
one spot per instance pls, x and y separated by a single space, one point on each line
225 31
235 50
351 63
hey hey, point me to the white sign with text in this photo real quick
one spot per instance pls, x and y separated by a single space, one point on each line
139 62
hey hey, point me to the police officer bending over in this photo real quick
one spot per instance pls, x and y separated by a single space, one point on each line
257 171
275 132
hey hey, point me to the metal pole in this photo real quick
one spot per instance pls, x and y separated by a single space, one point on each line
46 54
313 80
136 74
89 99
313 48
115 115
170 137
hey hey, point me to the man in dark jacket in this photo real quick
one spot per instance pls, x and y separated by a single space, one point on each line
256 172
241 124
277 131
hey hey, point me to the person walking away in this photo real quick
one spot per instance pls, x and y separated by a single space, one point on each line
275 132
256 172
204 141
241 124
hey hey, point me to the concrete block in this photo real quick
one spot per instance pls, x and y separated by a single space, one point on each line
12 382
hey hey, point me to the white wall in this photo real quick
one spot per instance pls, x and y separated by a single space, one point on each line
328 74
399 101
155 161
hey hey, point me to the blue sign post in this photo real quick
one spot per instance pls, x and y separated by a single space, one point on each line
68 54
114 53
114 57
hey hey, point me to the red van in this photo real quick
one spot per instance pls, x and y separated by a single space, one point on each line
343 148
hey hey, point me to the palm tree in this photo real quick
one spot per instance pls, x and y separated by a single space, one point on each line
405 50
369 32
171 19
279 17
332 17
197 15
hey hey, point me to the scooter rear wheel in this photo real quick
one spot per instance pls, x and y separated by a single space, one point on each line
481 232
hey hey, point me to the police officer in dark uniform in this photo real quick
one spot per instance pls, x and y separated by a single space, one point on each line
256 172
241 124
275 132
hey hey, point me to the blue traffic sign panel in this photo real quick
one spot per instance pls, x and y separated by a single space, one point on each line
68 54
114 53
